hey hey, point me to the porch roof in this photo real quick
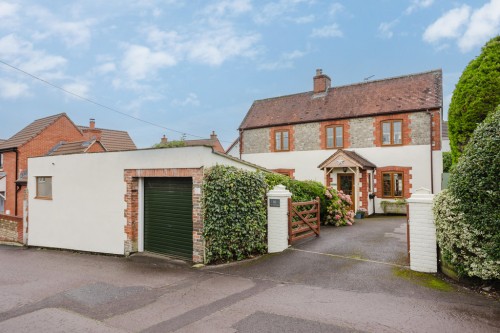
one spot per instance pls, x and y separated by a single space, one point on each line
346 158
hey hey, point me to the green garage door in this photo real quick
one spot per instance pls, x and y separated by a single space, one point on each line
168 216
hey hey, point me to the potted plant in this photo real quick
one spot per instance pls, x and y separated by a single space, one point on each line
361 212
394 207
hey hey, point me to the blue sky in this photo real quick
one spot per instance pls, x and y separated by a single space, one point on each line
197 66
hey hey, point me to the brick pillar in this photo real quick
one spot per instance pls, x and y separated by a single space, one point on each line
423 246
277 219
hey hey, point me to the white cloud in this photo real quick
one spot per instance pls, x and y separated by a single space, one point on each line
73 33
12 90
304 19
22 54
77 88
190 100
286 60
385 29
8 9
230 7
417 4
484 24
139 62
449 25
274 10
213 47
108 67
336 8
470 28
327 31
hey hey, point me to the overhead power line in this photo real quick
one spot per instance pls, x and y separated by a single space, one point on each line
97 103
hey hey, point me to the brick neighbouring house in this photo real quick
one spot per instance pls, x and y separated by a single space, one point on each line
55 134
378 137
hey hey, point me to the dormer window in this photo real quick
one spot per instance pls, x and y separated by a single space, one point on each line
392 132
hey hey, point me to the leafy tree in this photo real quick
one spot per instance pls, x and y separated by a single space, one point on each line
476 94
447 161
467 214
170 144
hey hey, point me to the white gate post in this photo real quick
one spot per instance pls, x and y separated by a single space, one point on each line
423 246
277 219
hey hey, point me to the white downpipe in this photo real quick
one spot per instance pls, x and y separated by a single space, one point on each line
140 204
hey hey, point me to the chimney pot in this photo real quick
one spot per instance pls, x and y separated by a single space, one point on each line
321 82
92 123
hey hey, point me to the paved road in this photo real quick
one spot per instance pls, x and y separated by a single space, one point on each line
351 279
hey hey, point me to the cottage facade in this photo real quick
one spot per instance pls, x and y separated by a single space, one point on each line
377 140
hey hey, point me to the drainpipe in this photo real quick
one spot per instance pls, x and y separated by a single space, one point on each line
241 142
430 145
15 178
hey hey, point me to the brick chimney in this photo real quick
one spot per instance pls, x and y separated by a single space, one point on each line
92 133
321 81
164 139
213 136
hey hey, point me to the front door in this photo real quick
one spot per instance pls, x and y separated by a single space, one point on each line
345 183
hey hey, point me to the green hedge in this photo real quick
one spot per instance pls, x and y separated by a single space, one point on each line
467 216
301 190
235 221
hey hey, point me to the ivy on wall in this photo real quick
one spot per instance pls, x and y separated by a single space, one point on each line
235 221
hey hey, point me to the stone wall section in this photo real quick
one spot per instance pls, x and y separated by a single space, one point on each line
256 141
307 136
361 132
419 128
11 228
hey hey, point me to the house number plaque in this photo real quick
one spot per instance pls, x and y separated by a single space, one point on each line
274 202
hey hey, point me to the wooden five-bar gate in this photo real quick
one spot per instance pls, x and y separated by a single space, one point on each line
303 220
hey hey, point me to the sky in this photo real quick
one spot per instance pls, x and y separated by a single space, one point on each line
187 68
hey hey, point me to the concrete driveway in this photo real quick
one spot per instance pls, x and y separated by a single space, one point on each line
351 279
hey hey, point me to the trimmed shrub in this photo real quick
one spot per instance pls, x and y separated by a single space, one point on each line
469 211
235 222
476 94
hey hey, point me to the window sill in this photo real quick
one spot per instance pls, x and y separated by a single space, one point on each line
43 198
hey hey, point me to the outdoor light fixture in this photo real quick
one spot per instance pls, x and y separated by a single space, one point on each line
345 169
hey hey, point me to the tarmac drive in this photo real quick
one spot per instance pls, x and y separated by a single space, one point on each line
351 279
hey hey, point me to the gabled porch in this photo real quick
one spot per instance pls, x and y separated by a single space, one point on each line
351 173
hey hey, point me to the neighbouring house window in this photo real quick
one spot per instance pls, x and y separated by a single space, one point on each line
370 188
2 201
334 137
392 132
1 161
281 140
392 183
44 187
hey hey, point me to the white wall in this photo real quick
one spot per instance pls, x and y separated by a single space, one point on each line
87 207
306 163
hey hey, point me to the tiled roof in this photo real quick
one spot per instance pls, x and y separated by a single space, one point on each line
215 144
355 157
29 132
405 93
114 140
65 148
445 131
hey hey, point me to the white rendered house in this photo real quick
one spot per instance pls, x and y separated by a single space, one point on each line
377 140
